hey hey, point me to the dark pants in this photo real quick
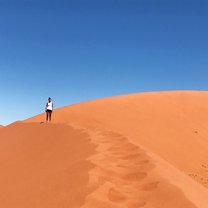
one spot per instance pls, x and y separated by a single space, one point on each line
48 115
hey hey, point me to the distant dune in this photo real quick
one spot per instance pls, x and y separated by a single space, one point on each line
141 150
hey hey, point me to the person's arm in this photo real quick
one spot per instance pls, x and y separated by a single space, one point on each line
46 106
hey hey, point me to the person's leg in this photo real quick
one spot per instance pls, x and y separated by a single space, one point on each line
50 113
47 116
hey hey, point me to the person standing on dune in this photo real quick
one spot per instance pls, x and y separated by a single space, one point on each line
49 109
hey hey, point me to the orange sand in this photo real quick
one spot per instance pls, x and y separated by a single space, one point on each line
42 166
141 150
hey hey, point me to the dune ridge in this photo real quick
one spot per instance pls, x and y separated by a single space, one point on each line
141 150
176 120
167 125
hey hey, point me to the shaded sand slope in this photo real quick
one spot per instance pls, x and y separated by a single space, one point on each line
168 128
41 166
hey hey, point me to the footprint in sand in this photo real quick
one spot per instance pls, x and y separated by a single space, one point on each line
135 176
150 186
136 205
115 196
122 166
141 162
130 156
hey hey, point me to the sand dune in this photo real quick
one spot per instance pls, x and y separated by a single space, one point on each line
42 166
141 150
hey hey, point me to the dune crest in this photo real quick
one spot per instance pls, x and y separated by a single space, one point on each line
168 128
140 150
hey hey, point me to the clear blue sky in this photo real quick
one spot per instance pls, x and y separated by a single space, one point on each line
76 50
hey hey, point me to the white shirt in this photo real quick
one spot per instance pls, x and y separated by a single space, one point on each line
49 106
